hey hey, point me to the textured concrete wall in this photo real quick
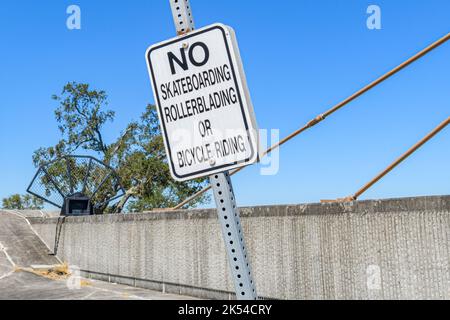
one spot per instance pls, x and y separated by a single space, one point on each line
387 249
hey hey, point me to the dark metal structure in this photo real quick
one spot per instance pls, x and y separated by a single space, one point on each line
78 185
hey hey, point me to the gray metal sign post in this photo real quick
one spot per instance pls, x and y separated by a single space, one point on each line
223 193
233 236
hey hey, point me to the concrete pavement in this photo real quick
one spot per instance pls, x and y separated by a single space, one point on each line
23 285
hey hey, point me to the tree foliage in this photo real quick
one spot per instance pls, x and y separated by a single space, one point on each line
137 155
22 202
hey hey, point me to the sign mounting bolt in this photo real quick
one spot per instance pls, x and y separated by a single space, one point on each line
212 162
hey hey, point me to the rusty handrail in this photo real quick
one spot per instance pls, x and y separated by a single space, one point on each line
396 162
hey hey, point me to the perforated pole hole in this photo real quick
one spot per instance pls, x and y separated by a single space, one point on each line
233 234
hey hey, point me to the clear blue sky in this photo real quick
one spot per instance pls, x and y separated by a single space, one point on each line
300 57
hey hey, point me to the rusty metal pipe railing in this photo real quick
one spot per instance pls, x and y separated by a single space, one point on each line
335 108
398 161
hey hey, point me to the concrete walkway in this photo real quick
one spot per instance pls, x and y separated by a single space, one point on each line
21 248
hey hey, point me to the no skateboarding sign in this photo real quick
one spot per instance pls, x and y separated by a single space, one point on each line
203 103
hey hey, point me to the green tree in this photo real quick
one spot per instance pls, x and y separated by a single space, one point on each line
137 155
22 202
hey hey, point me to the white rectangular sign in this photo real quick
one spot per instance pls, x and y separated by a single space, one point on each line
203 103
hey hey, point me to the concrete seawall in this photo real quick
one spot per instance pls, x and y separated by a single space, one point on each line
383 249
